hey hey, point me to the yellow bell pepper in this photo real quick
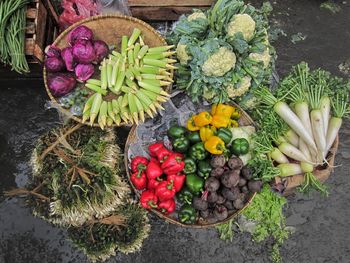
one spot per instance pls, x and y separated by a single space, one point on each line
219 121
233 123
191 126
236 114
224 110
202 119
206 132
213 109
214 145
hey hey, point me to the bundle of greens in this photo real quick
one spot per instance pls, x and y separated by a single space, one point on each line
124 230
299 124
78 175
12 34
223 52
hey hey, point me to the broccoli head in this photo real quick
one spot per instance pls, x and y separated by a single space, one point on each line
243 23
219 63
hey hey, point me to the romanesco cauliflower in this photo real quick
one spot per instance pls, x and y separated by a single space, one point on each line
219 63
240 89
243 23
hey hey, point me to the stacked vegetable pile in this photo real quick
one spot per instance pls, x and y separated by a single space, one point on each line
12 34
208 163
77 184
223 52
130 82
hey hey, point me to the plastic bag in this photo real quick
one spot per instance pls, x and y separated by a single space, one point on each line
113 6
76 10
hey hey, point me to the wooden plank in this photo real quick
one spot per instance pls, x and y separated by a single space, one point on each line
52 11
31 13
170 13
155 3
41 26
29 46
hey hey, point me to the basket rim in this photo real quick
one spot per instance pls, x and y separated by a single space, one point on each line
66 112
168 219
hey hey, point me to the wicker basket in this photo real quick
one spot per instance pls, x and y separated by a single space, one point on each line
243 121
321 173
109 28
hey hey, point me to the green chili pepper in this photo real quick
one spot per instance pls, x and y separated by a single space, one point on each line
224 134
197 151
204 168
181 144
240 146
194 137
176 131
190 166
187 214
194 183
185 196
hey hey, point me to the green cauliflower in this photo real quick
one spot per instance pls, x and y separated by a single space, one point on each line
219 63
239 89
242 23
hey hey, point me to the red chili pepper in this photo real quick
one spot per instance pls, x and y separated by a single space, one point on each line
165 190
167 207
179 180
163 154
149 199
139 180
153 170
173 164
153 148
138 163
153 183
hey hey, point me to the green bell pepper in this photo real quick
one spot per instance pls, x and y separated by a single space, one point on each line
181 144
194 183
204 168
185 196
198 151
224 134
194 137
190 166
187 214
176 131
240 146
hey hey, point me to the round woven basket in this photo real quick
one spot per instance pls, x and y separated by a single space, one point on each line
109 28
322 173
243 121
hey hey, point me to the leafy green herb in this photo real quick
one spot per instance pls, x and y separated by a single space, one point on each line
266 211
225 231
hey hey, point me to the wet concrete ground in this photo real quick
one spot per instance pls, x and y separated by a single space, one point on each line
322 224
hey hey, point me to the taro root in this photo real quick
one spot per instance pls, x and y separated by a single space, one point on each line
242 182
212 197
217 172
204 214
200 204
231 194
220 213
230 178
218 161
235 163
245 189
238 204
229 205
212 184
255 186
247 172
221 200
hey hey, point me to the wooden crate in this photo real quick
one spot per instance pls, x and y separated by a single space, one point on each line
165 10
42 29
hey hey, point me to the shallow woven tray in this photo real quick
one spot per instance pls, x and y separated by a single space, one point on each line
243 121
321 172
109 28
